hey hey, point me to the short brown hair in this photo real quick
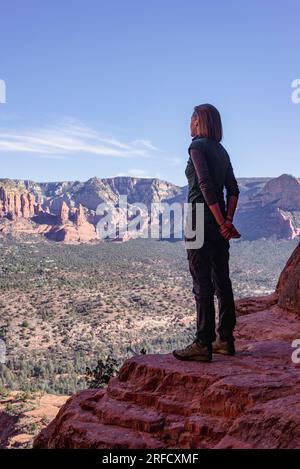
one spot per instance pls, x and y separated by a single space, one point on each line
210 124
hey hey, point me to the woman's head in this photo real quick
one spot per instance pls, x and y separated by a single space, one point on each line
206 122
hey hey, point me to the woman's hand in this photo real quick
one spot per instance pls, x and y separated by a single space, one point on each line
235 233
225 229
228 230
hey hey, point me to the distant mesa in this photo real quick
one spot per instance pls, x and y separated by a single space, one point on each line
272 210
66 211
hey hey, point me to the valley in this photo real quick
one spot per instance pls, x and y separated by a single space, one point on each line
63 307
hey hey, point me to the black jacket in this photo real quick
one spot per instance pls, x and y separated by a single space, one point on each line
209 173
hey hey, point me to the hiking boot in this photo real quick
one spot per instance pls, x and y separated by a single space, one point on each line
224 347
195 351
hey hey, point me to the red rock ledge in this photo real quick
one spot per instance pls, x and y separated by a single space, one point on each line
251 400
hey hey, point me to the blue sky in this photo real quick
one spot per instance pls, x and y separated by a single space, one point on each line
99 88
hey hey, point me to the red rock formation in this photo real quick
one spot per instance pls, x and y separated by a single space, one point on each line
288 286
251 400
63 216
158 402
25 206
19 208
31 204
254 304
16 204
66 231
285 189
274 210
80 218
70 233
267 207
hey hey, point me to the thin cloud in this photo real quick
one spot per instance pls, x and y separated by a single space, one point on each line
139 173
69 138
146 143
134 172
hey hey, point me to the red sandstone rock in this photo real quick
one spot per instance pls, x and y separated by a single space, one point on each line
159 402
80 218
66 231
16 204
253 304
31 204
24 206
288 286
79 231
70 233
273 210
267 207
285 189
251 400
18 227
16 209
63 216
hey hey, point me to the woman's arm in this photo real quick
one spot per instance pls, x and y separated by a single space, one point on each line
231 206
206 184
232 191
227 229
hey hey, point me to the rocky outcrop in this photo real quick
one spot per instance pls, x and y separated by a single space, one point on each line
267 206
285 190
272 210
16 204
251 400
72 232
80 218
63 216
20 214
288 286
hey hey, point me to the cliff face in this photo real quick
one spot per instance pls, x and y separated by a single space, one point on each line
288 286
266 206
72 231
20 213
251 400
16 204
274 209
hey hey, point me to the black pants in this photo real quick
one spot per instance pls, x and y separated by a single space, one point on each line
209 267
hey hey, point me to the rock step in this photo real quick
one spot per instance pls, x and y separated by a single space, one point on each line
128 394
96 435
207 431
89 429
225 394
113 412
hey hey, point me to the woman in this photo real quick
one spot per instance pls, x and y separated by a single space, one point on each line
208 171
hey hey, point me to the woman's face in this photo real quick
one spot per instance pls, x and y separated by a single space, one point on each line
194 126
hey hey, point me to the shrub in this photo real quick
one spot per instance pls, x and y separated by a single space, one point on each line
99 376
